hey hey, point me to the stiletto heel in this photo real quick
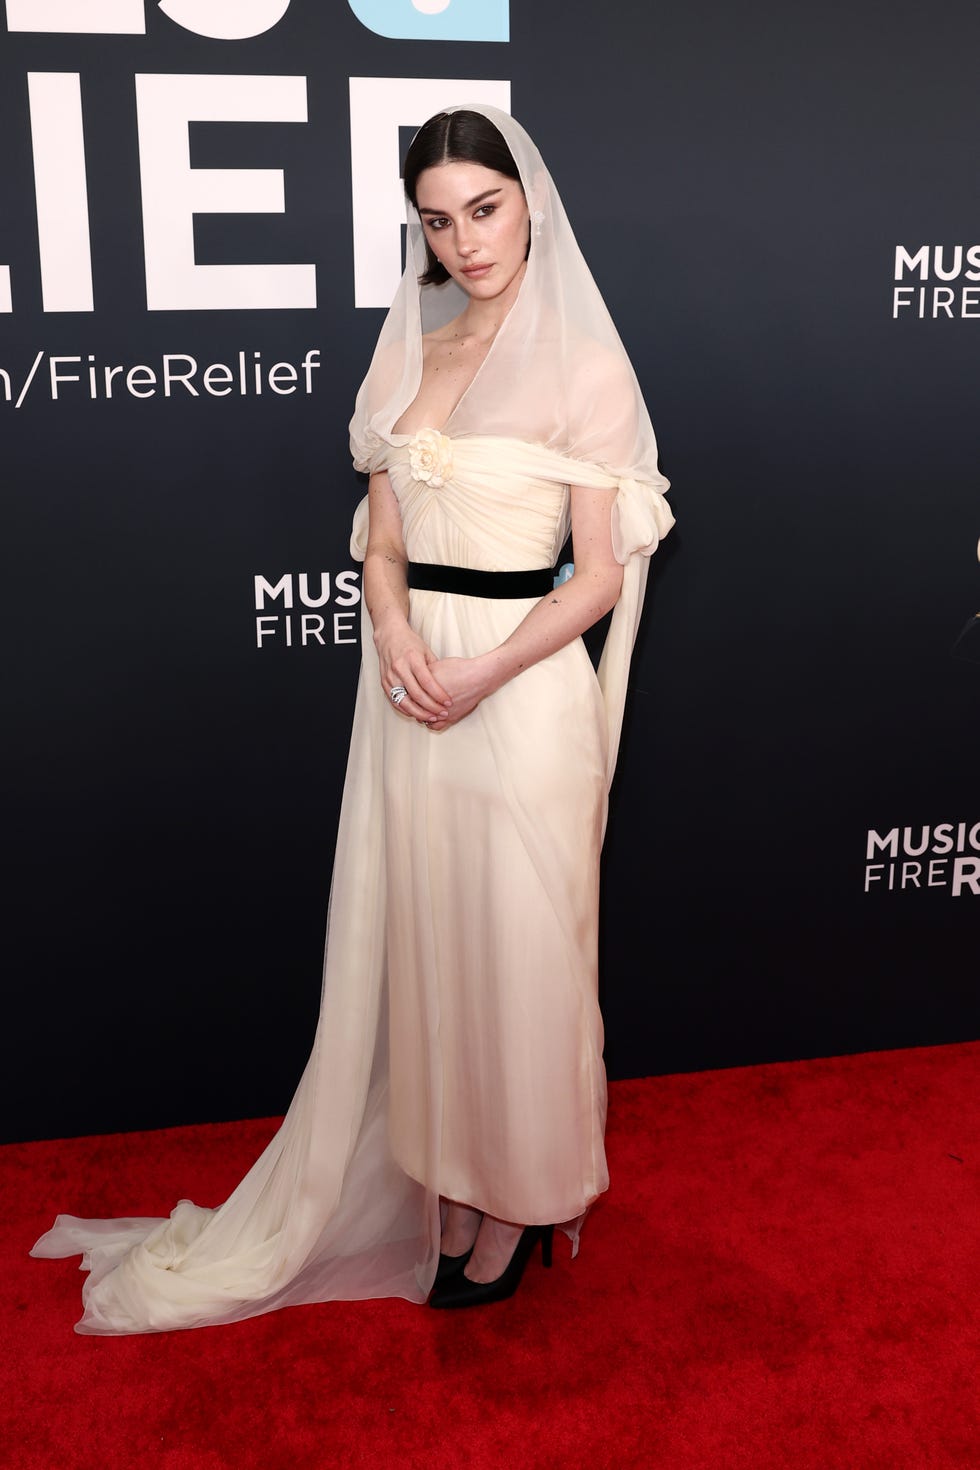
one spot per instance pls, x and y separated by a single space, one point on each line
460 1291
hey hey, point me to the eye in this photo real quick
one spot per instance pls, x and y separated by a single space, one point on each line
485 209
438 223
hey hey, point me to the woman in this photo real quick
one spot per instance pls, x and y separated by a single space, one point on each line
453 1107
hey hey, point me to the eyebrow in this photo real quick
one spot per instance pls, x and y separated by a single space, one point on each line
478 199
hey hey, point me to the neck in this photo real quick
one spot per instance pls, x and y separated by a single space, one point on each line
483 319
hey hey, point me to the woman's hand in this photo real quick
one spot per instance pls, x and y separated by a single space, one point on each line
552 622
406 661
467 681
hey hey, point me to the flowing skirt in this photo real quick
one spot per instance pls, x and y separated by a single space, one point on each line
459 1046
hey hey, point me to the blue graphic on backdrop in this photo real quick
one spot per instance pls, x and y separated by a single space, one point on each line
436 20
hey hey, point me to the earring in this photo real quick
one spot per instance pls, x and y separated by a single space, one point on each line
538 221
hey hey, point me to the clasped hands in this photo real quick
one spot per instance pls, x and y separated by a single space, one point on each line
439 692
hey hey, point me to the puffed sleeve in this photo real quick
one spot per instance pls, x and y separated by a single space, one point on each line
641 518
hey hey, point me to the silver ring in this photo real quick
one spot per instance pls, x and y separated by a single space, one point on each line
397 694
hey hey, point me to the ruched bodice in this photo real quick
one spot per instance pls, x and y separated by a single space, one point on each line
491 512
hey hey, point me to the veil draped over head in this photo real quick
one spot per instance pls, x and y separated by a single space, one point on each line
557 376
557 373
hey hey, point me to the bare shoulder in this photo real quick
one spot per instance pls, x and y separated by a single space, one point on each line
598 369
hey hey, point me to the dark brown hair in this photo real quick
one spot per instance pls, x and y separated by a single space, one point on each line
454 137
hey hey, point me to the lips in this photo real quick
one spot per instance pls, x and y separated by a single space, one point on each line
475 270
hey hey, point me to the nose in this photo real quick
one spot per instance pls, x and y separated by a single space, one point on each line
464 244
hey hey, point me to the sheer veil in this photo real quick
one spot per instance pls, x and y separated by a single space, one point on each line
557 374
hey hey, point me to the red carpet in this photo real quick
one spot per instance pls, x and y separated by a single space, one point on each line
784 1274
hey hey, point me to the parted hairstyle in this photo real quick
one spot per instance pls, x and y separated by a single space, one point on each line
454 137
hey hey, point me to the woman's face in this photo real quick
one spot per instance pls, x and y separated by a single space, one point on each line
476 222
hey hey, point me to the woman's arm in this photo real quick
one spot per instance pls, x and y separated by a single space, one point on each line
554 621
404 658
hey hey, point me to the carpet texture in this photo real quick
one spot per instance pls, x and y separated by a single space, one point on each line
784 1274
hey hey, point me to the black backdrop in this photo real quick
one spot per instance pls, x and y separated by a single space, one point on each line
740 179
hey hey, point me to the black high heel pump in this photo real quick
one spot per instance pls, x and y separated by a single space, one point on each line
460 1291
450 1266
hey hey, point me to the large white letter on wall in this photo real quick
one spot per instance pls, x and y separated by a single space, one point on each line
222 20
173 192
62 193
379 106
226 20
94 17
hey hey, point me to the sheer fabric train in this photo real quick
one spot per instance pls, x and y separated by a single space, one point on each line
393 1108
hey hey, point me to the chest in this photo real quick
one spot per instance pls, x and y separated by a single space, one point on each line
448 369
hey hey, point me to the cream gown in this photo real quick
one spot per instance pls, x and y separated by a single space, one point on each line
459 1045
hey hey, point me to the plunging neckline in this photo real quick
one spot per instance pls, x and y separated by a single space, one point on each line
410 434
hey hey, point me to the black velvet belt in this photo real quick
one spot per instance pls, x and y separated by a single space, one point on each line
428 576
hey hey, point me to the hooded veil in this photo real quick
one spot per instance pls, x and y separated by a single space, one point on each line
328 1211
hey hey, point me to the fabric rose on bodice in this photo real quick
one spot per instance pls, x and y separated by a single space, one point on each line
430 457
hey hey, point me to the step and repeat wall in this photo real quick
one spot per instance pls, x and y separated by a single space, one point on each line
200 228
